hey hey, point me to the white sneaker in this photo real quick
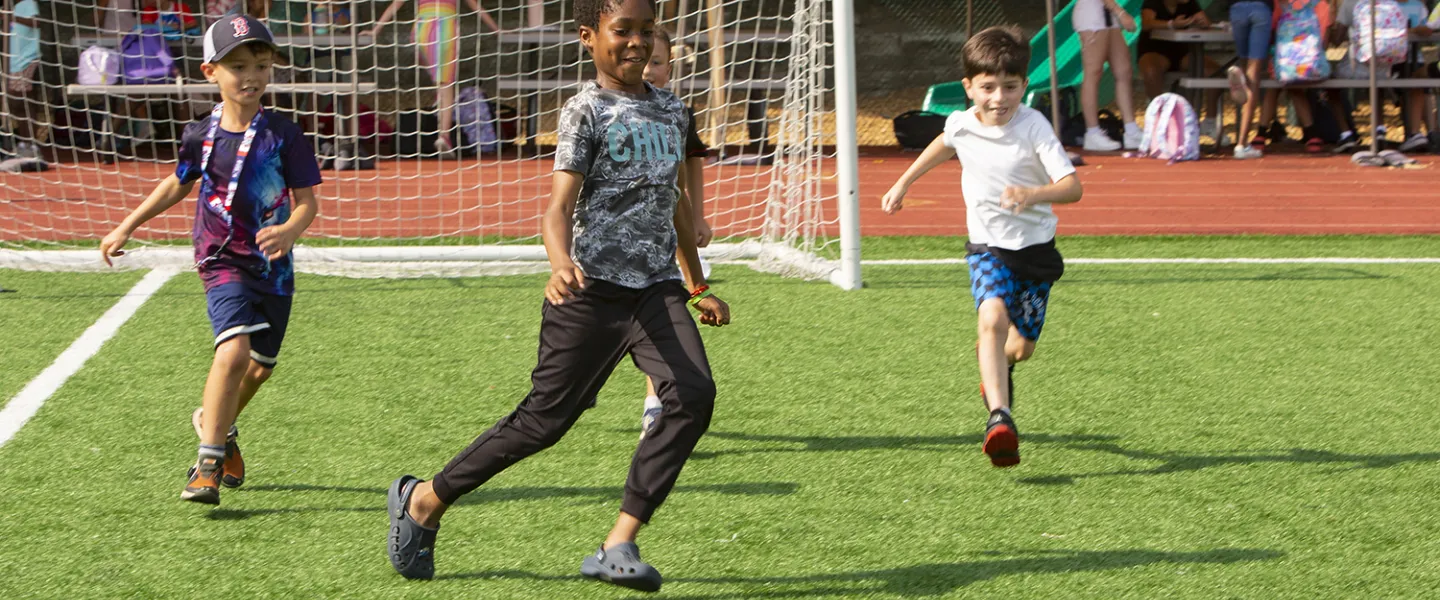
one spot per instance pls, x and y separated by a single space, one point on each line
1133 139
1243 152
1097 141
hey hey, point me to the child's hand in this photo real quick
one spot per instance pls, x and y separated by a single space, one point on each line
112 244
276 241
1016 199
713 311
564 281
1200 20
893 201
703 233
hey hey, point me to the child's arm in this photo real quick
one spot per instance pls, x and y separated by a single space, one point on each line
713 310
695 182
934 155
277 240
484 16
558 230
388 15
1065 191
169 193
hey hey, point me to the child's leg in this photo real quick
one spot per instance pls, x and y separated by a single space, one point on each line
653 407
1414 112
1122 66
445 103
668 348
994 329
1303 112
1017 348
222 389
255 376
1247 112
581 341
1094 51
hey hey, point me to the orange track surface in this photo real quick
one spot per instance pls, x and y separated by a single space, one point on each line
1280 194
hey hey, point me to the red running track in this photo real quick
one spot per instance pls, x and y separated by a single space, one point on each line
1280 194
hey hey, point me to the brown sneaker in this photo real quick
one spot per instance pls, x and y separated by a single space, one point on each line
233 473
204 485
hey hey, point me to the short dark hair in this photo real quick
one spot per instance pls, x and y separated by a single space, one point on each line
588 12
1000 50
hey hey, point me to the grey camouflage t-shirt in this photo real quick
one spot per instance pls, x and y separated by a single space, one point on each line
629 148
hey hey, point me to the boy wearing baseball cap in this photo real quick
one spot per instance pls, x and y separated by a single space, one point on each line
257 174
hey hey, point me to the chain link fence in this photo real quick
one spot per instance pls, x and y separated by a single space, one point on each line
905 46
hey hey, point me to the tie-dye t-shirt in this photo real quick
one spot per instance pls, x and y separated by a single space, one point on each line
280 159
629 148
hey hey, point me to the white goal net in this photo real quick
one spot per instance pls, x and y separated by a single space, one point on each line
435 129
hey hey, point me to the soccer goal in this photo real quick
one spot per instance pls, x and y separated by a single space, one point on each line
771 84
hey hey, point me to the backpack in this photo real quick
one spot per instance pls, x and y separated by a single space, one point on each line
98 66
1300 45
1391 44
915 130
145 56
476 122
1171 130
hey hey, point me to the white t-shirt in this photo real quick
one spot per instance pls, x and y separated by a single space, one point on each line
1023 152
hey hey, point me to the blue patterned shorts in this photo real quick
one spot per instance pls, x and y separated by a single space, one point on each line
1025 300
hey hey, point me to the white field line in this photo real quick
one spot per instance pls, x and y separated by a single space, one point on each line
25 404
1180 261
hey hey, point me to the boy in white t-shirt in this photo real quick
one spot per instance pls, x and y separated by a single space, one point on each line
1014 169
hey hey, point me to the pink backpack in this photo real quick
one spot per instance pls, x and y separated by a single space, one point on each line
1391 44
1172 132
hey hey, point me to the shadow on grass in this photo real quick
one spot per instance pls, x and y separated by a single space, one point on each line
937 578
582 494
1180 463
234 514
789 443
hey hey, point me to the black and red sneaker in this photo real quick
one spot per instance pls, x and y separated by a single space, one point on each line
1002 440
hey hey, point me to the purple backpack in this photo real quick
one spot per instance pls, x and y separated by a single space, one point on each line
145 57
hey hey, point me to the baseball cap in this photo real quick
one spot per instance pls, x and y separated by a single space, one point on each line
230 32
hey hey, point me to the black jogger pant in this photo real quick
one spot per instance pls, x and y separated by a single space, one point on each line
581 341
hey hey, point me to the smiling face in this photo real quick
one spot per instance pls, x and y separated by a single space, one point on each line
657 71
997 97
621 43
242 75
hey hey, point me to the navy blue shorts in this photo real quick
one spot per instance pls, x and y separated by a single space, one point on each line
235 309
1025 300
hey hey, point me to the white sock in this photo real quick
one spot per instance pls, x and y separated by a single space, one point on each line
1132 128
1094 131
652 402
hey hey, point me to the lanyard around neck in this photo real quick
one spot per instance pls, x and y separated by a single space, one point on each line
220 205
223 205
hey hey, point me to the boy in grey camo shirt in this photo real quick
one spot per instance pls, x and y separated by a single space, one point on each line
615 222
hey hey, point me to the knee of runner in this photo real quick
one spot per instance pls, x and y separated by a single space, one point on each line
993 317
259 373
1020 352
698 398
233 355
